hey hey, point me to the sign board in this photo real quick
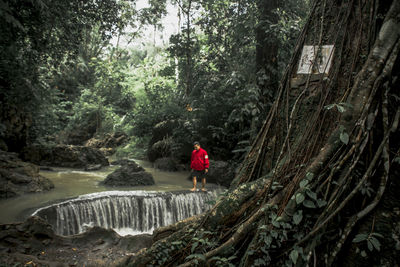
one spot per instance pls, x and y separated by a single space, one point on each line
310 65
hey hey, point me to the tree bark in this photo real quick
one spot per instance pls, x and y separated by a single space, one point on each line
322 161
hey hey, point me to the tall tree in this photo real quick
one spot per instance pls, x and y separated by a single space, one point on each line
320 184
38 38
267 49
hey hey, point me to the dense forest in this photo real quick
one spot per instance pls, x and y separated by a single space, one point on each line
301 97
66 82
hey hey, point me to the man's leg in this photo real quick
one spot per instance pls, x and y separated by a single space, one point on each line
203 183
194 183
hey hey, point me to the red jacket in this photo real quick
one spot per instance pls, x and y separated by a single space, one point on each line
199 160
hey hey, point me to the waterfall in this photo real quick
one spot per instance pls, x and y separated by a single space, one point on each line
138 211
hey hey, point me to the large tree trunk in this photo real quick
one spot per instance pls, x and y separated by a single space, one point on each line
318 186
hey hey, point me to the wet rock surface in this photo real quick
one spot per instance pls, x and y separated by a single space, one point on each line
92 167
34 242
18 177
64 156
130 174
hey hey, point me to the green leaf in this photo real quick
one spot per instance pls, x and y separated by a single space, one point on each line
375 242
330 106
370 246
310 175
344 137
311 194
198 256
232 258
397 160
276 224
299 198
274 234
360 237
321 203
309 204
363 254
340 108
304 183
294 255
194 246
297 217
377 234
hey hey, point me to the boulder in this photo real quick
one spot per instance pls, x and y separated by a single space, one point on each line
18 177
129 175
64 156
167 164
121 162
93 167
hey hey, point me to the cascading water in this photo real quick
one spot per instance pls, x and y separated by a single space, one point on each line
138 211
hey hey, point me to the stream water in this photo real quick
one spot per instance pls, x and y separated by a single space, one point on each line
70 183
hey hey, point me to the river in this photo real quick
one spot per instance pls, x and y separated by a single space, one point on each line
70 183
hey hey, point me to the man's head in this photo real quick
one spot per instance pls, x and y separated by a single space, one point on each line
196 145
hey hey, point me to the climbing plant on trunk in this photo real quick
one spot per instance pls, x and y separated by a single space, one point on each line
323 164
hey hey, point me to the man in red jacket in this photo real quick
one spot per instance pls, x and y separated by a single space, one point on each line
199 165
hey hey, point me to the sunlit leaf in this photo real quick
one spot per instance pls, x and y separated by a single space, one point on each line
294 255
299 198
344 137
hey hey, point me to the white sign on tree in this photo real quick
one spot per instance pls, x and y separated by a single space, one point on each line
315 59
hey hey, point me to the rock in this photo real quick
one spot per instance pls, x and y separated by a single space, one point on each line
64 156
107 151
46 168
18 177
92 167
35 241
121 162
108 141
81 133
166 164
220 172
129 175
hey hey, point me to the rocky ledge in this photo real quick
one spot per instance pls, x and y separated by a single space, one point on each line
34 243
64 156
18 177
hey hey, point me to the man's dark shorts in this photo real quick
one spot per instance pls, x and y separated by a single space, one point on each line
198 174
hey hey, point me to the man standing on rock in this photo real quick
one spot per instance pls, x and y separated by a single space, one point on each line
199 165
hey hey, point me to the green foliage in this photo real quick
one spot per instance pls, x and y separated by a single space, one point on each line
135 148
223 261
37 36
154 94
58 61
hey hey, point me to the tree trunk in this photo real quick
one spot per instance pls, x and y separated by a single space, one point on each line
266 50
317 187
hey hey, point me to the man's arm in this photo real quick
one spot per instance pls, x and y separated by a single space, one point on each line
206 162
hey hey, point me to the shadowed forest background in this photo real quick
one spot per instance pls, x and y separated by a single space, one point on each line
314 154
